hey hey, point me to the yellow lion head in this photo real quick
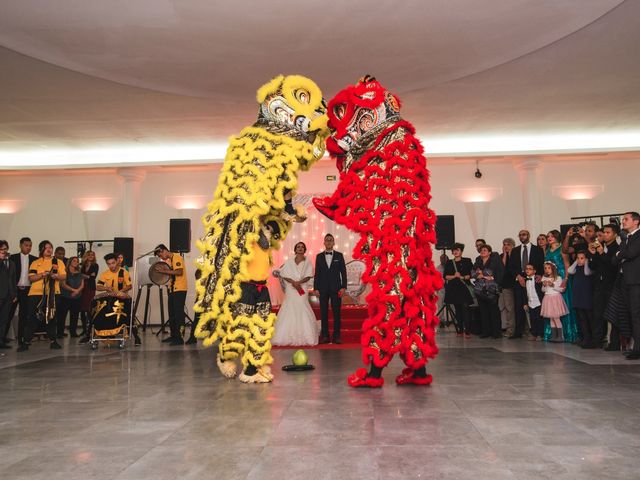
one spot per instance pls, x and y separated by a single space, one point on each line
293 106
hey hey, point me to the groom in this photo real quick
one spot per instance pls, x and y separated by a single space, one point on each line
330 281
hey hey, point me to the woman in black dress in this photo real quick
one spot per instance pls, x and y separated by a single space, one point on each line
488 272
457 273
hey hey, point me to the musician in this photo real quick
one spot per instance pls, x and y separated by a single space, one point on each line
44 270
177 291
7 289
116 282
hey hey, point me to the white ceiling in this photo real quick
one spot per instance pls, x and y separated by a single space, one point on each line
475 76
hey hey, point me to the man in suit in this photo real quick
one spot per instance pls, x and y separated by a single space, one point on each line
601 260
330 281
7 288
22 261
628 258
523 254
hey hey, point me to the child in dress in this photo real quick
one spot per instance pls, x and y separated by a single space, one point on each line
553 306
534 296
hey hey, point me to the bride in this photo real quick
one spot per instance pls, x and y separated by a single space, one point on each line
296 323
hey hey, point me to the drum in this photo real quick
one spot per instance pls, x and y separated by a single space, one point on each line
157 275
110 315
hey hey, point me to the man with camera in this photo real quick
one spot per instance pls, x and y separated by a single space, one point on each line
601 256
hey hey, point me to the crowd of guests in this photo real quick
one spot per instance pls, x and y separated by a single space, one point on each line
582 287
74 280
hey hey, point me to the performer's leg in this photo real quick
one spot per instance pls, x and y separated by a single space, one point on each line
257 357
177 317
172 318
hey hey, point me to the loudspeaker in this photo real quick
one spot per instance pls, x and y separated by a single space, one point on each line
180 235
445 231
124 245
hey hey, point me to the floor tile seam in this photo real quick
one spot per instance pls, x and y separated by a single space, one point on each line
587 434
488 444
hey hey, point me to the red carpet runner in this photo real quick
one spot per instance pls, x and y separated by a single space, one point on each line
352 318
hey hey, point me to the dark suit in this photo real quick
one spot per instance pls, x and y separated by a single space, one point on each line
628 258
328 282
7 293
23 296
515 268
605 270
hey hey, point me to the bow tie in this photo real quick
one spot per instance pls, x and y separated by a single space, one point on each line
328 253
530 279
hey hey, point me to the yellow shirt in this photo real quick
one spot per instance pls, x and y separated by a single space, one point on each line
178 282
43 265
115 280
260 265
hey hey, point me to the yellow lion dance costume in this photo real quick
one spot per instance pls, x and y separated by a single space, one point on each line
250 214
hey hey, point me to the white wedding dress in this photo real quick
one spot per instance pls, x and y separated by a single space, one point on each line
296 323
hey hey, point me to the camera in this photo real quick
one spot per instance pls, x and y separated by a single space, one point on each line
478 173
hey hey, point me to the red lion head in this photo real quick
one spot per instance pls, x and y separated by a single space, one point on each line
357 110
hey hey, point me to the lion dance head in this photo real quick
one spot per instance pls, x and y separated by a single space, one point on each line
293 106
357 113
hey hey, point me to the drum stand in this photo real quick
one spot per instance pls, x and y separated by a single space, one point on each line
145 321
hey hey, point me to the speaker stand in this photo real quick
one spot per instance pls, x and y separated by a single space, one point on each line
449 316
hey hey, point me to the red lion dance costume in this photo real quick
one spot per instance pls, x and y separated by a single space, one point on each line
383 195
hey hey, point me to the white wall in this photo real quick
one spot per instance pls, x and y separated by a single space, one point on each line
48 206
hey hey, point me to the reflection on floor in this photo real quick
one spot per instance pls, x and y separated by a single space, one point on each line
498 409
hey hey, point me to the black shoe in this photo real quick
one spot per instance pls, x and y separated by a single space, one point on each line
191 341
4 346
137 341
55 346
611 348
74 335
497 336
633 355
323 340
588 346
175 342
23 348
167 340
83 340
337 341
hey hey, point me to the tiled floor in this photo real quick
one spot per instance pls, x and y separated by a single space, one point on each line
497 409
